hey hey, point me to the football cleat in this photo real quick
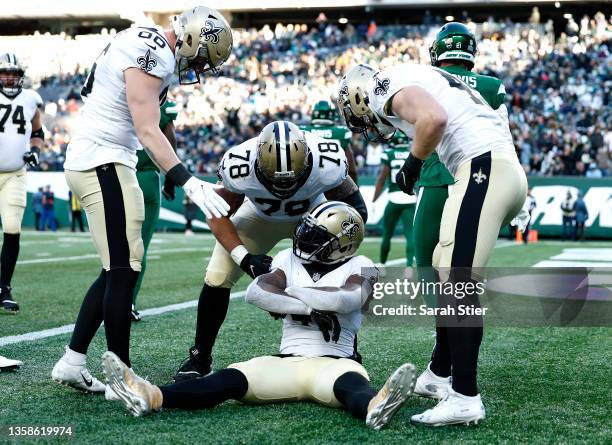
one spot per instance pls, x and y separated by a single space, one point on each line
193 367
6 301
135 315
138 395
110 394
454 409
431 386
391 397
76 376
6 364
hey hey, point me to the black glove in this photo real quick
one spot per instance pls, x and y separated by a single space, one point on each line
31 157
256 265
276 315
409 174
326 322
168 190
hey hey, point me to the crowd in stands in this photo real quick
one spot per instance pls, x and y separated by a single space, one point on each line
558 87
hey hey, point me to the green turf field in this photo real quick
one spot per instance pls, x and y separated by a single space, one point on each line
539 385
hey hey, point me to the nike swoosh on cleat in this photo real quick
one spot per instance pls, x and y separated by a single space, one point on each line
87 382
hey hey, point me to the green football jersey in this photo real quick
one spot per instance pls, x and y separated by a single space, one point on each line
394 156
168 113
338 133
434 173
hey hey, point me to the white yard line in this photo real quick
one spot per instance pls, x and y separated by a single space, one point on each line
46 333
66 329
95 255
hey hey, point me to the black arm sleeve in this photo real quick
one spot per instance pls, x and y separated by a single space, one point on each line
356 200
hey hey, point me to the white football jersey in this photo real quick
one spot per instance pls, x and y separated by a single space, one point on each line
307 340
105 131
16 116
473 127
328 170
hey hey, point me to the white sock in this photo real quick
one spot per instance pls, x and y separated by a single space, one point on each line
75 358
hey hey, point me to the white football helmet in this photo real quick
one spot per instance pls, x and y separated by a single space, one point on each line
12 74
203 42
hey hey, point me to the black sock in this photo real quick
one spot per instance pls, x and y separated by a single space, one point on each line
8 258
117 306
440 357
464 345
354 392
206 392
90 315
212 309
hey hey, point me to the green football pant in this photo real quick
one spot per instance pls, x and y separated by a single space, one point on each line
393 213
427 232
148 181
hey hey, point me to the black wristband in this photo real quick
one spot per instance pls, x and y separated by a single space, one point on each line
179 174
35 149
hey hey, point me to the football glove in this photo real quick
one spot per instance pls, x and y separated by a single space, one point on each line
168 189
409 174
203 194
256 265
326 323
31 157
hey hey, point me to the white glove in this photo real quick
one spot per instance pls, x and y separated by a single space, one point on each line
521 220
203 194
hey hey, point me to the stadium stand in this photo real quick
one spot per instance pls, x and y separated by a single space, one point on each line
557 83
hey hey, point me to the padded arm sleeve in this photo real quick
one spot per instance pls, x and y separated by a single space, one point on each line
341 300
274 302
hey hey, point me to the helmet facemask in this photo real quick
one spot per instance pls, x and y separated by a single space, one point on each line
11 81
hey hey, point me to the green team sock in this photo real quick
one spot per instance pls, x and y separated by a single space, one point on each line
427 233
150 186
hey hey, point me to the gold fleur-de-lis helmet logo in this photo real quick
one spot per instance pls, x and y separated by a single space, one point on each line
350 228
210 31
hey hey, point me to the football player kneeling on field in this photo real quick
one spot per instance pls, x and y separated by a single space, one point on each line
319 289
270 182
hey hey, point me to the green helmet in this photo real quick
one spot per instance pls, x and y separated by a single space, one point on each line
454 41
324 112
400 140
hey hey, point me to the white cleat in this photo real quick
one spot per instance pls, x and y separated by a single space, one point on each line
454 409
76 376
431 386
391 397
138 395
6 364
111 395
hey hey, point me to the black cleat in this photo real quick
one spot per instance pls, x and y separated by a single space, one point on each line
135 315
193 367
6 301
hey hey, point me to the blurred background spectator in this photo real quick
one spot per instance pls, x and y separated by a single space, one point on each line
558 85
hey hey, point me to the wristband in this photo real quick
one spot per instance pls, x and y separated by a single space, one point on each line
179 174
34 149
238 254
